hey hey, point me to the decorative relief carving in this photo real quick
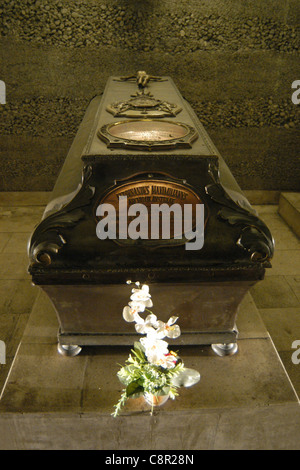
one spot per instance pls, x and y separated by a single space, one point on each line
143 104
49 236
255 236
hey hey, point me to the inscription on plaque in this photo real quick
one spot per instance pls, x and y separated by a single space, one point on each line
157 209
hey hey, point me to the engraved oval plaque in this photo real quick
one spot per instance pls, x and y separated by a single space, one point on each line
153 192
148 131
147 134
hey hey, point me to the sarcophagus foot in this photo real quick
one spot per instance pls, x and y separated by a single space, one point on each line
140 155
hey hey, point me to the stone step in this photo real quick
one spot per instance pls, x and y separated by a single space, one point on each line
289 209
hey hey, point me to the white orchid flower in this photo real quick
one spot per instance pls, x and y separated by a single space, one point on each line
139 306
158 328
142 295
168 329
155 349
168 361
131 312
146 327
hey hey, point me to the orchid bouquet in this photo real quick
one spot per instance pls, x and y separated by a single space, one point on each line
151 369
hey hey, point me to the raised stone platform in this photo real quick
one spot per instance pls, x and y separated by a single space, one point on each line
245 401
289 209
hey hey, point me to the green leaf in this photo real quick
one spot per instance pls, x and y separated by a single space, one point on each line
134 388
164 391
120 404
137 345
138 394
123 379
139 352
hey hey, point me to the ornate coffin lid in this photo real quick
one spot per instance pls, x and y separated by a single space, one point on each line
164 91
87 145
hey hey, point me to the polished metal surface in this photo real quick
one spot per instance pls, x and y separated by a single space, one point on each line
143 105
154 191
225 349
148 130
147 133
70 350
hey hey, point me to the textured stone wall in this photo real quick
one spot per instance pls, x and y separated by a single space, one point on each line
233 60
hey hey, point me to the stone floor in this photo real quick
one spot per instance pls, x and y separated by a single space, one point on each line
19 213
277 297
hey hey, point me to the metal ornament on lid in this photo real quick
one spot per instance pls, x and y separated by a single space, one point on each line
147 134
142 78
143 104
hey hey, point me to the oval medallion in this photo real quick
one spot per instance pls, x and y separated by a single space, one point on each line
155 209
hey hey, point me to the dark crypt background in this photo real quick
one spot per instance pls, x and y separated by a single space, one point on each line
234 61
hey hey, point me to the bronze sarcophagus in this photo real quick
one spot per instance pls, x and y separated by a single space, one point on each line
140 146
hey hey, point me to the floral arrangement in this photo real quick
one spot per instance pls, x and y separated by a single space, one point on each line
151 370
